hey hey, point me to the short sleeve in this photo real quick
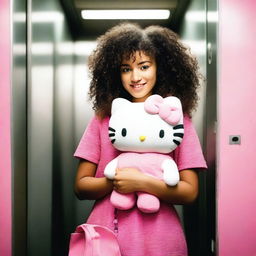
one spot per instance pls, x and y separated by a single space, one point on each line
89 146
189 154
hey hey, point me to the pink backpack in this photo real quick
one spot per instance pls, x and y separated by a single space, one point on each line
93 240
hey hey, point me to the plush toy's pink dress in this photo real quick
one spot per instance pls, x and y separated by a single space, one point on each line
140 234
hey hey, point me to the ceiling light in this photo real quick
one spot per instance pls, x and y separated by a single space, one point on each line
158 14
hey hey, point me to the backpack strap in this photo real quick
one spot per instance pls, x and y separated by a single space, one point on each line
115 221
89 230
95 240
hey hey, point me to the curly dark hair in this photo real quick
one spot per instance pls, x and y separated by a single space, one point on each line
177 69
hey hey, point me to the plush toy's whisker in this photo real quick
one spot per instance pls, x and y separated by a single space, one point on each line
113 141
111 129
179 126
178 135
111 134
176 142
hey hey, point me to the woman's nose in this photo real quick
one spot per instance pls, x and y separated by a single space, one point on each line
136 76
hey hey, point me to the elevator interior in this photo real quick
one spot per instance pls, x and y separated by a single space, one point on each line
51 44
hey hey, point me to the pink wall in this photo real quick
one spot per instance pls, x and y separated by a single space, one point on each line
5 155
236 113
236 110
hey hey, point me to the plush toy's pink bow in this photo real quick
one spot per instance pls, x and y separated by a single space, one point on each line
169 109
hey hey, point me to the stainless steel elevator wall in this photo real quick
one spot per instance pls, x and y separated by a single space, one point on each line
199 30
19 128
42 129
50 129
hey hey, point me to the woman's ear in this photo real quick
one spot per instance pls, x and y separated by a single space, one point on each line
119 103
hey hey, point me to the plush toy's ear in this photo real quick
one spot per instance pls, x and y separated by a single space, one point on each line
119 103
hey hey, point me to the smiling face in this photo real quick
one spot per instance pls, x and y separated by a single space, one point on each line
138 76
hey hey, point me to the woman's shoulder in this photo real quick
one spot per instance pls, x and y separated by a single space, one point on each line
99 126
99 121
187 119
187 122
189 128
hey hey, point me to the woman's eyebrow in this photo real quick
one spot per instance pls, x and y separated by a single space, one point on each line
140 63
143 62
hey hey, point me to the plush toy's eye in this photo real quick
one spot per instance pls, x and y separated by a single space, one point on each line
124 132
161 133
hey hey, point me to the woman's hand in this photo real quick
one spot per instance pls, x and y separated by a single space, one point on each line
128 180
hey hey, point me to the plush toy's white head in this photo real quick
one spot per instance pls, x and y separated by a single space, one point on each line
153 126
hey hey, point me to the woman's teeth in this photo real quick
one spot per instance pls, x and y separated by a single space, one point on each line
137 86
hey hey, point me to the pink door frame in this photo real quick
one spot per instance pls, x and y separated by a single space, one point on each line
5 129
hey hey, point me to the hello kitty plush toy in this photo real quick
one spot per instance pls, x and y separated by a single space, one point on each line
146 132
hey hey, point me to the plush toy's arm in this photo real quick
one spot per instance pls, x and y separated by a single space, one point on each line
110 169
170 172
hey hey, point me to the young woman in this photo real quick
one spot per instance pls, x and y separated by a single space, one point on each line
134 63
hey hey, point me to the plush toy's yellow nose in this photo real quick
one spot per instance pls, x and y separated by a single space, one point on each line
142 138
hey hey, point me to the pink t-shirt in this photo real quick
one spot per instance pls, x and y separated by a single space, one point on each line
140 234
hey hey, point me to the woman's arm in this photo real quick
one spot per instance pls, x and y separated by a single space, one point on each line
89 187
129 180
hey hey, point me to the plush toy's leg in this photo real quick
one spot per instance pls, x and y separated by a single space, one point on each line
122 201
147 203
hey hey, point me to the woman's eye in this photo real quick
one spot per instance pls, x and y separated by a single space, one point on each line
161 133
125 70
124 132
144 67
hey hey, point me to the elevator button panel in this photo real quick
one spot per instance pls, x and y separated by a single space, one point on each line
235 139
